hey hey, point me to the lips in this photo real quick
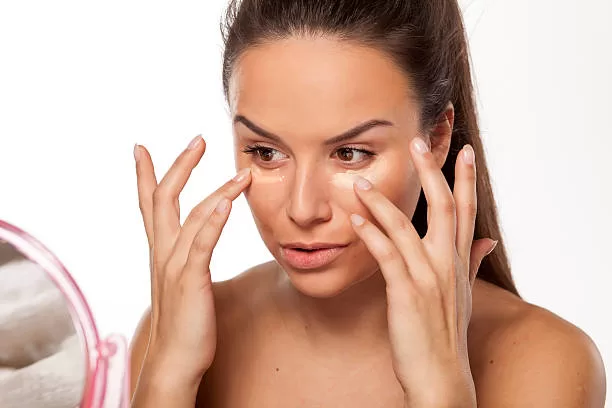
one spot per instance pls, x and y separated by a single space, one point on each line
311 255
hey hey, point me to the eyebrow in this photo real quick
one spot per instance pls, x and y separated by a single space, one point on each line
344 136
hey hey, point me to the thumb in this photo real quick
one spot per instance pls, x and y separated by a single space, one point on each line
480 249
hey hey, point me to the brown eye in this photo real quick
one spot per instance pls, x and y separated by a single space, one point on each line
353 155
266 154
345 154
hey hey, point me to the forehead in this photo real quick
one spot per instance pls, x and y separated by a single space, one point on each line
296 80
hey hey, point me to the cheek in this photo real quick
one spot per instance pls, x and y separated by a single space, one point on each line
394 178
267 193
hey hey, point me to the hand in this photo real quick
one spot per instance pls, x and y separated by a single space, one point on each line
183 324
429 281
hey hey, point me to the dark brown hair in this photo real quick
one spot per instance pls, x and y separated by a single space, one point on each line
427 40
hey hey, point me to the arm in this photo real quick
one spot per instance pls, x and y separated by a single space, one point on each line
175 344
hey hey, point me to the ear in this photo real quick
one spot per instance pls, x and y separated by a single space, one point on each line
440 135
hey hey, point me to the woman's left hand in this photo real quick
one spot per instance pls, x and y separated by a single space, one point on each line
429 281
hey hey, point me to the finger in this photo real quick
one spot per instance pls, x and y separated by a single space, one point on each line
147 182
166 214
479 250
386 254
201 213
200 251
465 198
440 201
396 224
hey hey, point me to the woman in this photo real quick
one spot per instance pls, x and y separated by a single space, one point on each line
342 111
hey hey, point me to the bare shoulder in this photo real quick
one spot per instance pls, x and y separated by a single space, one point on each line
236 299
241 306
523 355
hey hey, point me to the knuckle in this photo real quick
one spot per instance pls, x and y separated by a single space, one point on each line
386 254
201 243
401 289
404 224
429 284
171 269
160 194
172 273
471 208
447 206
199 212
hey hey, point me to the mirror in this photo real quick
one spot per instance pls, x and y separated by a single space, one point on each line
42 362
51 355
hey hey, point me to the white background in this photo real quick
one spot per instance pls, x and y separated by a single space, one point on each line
81 82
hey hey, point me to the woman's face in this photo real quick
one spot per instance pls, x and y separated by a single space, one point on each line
289 101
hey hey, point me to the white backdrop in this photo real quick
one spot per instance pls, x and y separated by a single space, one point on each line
81 82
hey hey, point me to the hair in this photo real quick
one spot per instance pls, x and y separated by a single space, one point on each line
427 40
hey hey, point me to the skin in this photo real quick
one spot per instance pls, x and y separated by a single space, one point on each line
395 320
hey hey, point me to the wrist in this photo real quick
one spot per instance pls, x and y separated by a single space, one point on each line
438 402
456 392
157 386
175 368
170 375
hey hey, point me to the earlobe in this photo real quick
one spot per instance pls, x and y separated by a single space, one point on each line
440 135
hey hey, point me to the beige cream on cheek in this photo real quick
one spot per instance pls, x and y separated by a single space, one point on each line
268 187
267 176
376 172
266 195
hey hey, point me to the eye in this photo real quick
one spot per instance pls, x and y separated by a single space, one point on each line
263 153
352 155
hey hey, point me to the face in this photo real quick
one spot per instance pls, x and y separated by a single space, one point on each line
309 115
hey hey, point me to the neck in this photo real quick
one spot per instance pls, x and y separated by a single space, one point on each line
359 313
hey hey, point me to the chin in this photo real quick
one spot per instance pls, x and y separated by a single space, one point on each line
327 282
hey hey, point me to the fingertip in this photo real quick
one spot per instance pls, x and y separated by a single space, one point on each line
467 155
195 142
492 247
357 220
242 175
142 152
136 152
362 184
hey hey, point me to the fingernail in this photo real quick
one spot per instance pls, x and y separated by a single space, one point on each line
357 219
194 142
362 183
222 206
241 175
492 247
420 146
468 154
136 153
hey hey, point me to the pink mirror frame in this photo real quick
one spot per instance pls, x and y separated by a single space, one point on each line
107 369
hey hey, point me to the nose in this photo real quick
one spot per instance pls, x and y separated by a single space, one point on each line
308 204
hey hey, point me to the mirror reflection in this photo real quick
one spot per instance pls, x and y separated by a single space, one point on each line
42 361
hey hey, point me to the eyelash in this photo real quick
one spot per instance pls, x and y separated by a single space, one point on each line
256 150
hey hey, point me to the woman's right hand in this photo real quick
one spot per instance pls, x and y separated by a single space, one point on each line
183 335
